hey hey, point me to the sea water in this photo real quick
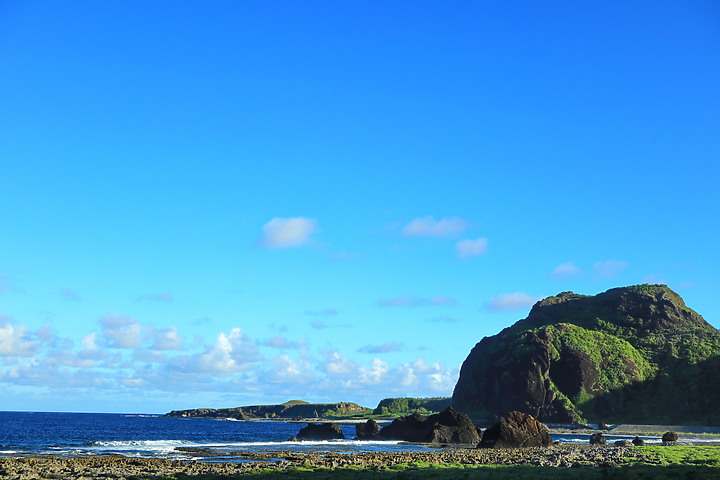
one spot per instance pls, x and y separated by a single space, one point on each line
203 439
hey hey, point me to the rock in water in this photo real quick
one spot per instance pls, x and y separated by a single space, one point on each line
449 426
619 356
670 437
321 431
638 442
368 430
516 430
410 429
597 439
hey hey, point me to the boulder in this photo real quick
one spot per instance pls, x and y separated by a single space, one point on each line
516 430
368 430
638 442
670 437
321 431
624 443
410 429
449 426
597 439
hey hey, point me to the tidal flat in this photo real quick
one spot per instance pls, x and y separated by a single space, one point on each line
558 461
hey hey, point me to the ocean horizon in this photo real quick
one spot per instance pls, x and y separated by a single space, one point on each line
71 434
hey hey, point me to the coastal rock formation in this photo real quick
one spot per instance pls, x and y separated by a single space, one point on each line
598 439
629 355
368 430
516 430
321 431
670 437
448 426
288 410
410 405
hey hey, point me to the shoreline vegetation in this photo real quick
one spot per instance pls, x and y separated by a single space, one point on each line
586 462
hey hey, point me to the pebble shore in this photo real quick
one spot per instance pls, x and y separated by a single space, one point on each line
120 468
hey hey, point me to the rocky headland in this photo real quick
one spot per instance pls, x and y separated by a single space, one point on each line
634 354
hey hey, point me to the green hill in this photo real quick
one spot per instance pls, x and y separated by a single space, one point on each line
629 355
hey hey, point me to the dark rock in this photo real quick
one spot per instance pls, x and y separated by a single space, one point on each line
368 430
670 437
597 439
449 426
623 443
603 426
321 431
410 429
516 430
638 442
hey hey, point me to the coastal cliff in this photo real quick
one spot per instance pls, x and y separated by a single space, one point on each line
288 410
634 354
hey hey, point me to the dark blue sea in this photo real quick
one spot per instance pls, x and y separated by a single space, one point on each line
203 439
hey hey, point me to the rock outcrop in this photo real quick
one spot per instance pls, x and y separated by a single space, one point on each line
320 431
516 430
670 437
369 430
448 426
628 355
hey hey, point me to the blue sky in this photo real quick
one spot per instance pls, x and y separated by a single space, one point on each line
211 204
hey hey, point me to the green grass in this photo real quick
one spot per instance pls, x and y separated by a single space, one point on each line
663 463
518 472
708 456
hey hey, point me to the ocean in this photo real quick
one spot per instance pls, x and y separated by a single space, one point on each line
201 439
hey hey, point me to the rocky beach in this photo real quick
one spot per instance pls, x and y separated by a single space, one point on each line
117 467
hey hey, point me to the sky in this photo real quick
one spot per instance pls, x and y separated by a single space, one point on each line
224 203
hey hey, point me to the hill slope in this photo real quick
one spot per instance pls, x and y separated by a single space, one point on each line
633 354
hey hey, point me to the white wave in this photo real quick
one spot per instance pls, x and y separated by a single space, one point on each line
7 452
305 442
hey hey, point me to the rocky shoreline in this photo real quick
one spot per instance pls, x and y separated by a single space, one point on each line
119 468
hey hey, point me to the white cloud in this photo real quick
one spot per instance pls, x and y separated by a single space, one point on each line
287 371
566 270
15 340
167 339
231 353
429 227
287 232
471 248
90 341
511 301
609 268
120 331
337 364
